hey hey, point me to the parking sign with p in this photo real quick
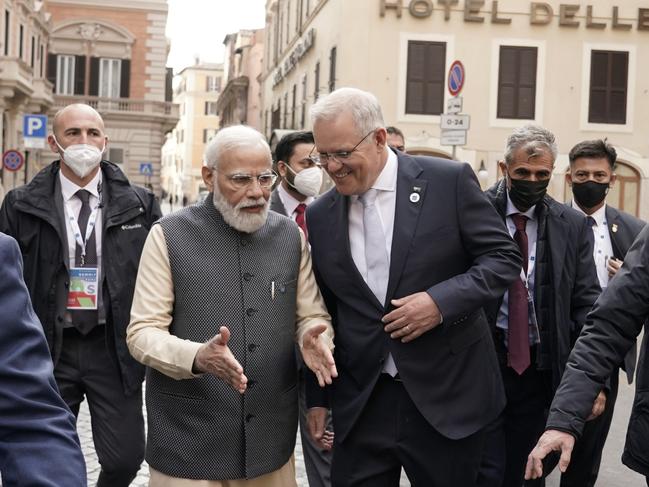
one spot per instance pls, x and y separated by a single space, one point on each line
35 131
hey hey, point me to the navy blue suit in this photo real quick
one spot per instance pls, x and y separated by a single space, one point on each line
449 242
38 440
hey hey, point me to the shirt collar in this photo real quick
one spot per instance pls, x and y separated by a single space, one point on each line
289 202
599 216
387 180
512 210
69 189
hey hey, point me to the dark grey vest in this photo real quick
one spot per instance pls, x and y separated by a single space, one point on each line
202 428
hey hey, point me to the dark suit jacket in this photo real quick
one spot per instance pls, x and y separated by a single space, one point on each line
452 245
624 229
611 329
564 296
38 440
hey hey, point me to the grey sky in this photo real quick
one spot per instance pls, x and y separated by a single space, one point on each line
198 27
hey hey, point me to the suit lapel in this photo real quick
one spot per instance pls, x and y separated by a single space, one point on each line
340 235
409 201
613 222
557 229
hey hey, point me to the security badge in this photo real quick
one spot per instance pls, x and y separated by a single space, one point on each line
414 196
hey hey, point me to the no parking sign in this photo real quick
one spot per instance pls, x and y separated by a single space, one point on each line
12 160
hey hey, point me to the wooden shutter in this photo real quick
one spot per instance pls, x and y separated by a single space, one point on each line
332 70
93 88
79 75
517 82
425 77
125 82
609 73
51 69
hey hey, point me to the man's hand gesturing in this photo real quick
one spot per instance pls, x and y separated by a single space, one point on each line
215 357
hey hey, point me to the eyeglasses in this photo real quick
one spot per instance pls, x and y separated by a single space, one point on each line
323 158
242 181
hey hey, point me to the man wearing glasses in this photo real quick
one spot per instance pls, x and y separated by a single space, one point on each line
301 182
224 290
406 251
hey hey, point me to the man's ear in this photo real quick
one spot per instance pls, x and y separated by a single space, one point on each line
52 143
208 178
281 168
503 167
569 179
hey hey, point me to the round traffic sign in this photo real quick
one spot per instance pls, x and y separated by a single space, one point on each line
12 160
456 78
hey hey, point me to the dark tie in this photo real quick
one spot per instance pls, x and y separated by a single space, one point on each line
91 247
85 320
518 356
299 218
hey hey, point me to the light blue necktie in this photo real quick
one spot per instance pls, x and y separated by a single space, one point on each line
377 259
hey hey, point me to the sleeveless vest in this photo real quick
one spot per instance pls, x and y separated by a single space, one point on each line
202 428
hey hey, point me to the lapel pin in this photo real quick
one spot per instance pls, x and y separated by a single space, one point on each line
416 189
414 197
614 228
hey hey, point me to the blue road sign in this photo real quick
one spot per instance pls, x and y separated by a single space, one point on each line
456 78
12 160
35 126
146 168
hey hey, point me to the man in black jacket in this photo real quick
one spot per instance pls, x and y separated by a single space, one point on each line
81 226
611 330
592 165
537 321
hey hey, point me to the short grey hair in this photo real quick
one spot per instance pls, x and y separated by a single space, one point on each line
233 137
530 138
363 106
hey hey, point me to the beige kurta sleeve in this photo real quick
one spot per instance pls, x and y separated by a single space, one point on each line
310 309
147 336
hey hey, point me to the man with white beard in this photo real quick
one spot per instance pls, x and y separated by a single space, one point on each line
223 290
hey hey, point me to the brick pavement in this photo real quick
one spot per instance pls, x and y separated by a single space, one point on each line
85 435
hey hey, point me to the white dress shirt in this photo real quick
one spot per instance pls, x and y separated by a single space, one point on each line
531 229
386 201
72 201
603 248
289 202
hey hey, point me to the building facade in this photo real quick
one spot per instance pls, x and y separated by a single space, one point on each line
113 57
240 100
24 88
575 68
197 93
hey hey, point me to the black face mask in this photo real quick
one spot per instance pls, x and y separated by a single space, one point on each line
590 193
525 194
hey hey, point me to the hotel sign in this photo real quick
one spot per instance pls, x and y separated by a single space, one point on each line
292 59
539 13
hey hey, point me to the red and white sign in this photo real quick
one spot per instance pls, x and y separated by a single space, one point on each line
456 77
12 160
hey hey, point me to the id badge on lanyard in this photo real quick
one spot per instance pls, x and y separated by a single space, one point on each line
84 281
531 309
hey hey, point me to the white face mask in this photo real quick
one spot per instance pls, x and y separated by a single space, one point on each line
81 158
307 181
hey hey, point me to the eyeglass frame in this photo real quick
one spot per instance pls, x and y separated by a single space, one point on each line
250 178
341 156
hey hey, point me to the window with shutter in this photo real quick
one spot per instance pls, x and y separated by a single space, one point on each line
316 86
7 29
110 77
65 70
609 73
80 75
332 70
426 68
517 82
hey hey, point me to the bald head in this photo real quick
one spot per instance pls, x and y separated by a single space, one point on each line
74 112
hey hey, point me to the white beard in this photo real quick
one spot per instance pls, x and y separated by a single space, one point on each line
240 220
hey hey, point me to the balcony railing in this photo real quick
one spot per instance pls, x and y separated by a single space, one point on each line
120 105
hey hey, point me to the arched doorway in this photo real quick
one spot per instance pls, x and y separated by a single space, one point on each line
625 193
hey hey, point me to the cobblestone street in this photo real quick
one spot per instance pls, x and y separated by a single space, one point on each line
612 472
